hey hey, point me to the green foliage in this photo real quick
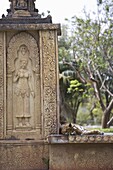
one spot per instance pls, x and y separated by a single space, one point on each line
86 59
78 90
83 117
100 1
107 130
84 113
75 86
64 44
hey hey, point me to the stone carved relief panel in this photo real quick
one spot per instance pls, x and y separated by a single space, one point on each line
23 87
23 79
1 86
50 82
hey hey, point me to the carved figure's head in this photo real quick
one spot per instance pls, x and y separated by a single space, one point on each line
22 3
23 63
23 49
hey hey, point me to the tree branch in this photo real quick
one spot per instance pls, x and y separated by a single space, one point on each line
110 122
103 84
78 72
96 88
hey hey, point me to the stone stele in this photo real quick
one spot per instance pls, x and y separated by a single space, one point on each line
28 86
28 73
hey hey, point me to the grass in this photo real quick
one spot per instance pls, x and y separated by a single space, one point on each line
107 130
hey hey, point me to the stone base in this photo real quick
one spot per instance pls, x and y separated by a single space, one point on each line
23 155
68 154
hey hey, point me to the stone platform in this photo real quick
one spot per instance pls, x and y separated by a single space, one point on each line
59 152
81 152
23 155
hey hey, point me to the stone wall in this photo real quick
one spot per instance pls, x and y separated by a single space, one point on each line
29 99
60 154
95 153
23 131
29 86
23 155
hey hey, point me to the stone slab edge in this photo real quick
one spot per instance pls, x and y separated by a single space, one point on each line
61 139
8 27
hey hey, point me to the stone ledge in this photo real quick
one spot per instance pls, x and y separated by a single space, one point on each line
22 142
62 139
26 20
22 27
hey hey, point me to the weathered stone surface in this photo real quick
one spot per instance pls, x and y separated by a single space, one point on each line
23 84
88 152
54 139
38 53
24 27
2 79
29 20
41 104
50 82
81 156
22 11
42 65
28 86
23 155
22 8
32 83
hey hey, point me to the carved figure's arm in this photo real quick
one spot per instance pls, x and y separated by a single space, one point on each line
30 86
16 77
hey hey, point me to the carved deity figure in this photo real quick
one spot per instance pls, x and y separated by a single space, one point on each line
24 89
24 8
22 3
31 5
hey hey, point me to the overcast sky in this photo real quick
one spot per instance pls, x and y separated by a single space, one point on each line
59 9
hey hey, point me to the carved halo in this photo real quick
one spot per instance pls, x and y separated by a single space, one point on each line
14 45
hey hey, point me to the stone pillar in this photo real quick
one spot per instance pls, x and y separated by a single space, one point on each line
29 91
49 62
2 85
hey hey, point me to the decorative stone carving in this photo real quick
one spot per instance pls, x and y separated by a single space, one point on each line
28 81
50 83
1 87
24 87
23 68
21 3
19 8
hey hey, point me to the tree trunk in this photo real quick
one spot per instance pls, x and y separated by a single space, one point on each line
74 117
106 114
91 112
75 111
105 119
110 122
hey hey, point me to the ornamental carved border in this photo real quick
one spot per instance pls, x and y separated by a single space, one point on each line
49 82
1 86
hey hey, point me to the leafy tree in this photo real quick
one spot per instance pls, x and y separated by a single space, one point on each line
70 76
70 99
64 44
73 90
78 92
92 49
